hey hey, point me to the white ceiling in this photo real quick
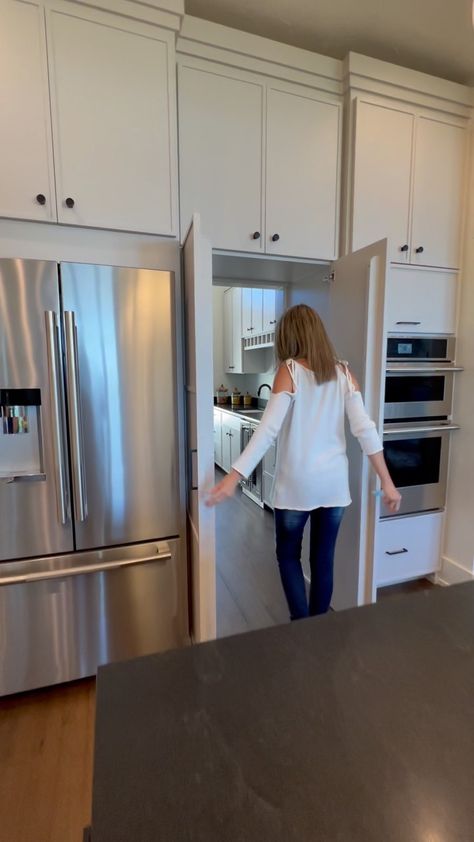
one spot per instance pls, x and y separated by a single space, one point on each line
434 36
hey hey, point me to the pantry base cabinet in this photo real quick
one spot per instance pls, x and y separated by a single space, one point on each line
407 548
218 437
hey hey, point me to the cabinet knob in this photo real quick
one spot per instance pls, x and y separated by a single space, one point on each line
232 366
41 199
69 202
275 238
419 250
256 235
273 322
404 248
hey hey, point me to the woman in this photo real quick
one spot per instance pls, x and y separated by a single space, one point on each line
311 393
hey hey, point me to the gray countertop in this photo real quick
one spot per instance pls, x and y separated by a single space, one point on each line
356 727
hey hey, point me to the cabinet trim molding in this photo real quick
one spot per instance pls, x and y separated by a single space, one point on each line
165 13
364 75
233 47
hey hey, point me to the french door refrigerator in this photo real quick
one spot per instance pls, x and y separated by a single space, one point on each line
90 563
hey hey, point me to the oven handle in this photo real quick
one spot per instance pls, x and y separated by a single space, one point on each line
409 368
433 428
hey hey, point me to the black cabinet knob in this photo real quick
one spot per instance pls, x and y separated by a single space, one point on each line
275 238
69 202
256 235
404 248
41 199
419 250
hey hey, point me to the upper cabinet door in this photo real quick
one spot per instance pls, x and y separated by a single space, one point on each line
112 88
269 310
26 172
438 193
302 184
220 153
257 311
382 177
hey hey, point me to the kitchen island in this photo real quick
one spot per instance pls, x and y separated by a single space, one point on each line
356 727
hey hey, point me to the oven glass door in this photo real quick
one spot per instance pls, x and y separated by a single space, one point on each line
418 466
418 395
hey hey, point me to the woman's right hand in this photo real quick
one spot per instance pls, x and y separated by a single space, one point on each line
391 496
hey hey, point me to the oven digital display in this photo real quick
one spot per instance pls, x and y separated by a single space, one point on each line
404 349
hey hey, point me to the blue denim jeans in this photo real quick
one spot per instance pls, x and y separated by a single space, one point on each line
289 528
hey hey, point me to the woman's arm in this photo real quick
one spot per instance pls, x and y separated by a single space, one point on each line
262 439
364 428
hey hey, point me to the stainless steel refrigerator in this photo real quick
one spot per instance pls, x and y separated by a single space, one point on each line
90 564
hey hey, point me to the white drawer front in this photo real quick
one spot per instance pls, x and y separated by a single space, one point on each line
421 301
406 548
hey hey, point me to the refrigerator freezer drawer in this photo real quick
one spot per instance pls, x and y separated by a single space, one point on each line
65 616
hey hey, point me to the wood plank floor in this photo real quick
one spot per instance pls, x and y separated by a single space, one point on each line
46 737
46 744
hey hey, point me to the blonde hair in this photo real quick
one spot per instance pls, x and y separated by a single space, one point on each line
300 334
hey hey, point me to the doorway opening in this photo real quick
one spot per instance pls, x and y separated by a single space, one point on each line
249 295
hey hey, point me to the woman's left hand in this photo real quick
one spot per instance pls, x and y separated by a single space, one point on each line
224 489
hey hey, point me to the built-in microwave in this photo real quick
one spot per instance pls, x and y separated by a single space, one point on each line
421 349
417 458
419 378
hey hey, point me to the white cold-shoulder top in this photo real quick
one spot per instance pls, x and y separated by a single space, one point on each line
312 467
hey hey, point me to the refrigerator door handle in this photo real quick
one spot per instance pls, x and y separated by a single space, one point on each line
75 419
56 406
85 569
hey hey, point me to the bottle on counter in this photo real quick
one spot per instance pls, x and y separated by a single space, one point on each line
221 394
236 397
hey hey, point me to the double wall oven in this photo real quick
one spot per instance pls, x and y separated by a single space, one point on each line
417 418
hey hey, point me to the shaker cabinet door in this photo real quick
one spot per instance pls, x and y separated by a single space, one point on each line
302 181
382 177
113 107
26 159
220 153
438 193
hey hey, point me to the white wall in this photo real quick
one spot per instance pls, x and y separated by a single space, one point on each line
458 562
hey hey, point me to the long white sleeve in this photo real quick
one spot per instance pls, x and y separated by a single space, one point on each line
361 424
265 434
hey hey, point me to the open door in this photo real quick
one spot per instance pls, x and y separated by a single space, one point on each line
197 258
356 325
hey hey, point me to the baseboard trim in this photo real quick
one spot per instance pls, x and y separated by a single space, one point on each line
452 573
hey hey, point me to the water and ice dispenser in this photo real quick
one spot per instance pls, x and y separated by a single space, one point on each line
21 449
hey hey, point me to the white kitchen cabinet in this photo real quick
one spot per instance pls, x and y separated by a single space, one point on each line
421 300
233 360
231 435
235 125
271 300
408 184
382 177
257 311
26 159
113 115
247 324
220 153
407 548
218 437
439 177
302 183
